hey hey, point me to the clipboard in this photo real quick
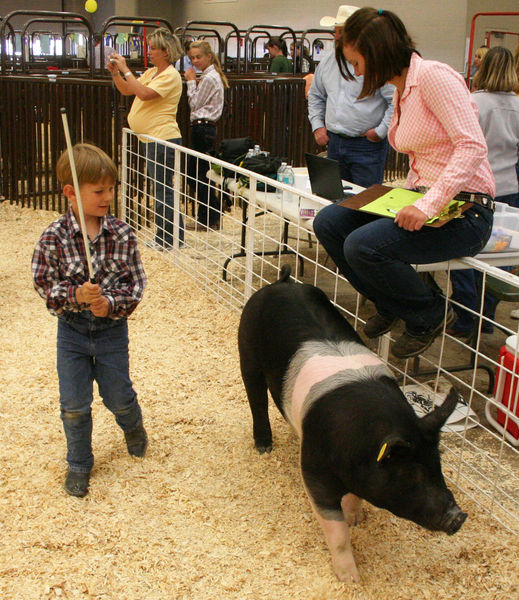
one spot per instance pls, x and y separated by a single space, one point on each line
398 198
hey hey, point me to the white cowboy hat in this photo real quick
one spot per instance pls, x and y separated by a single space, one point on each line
343 15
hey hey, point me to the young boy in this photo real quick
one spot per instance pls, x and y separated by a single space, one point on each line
92 317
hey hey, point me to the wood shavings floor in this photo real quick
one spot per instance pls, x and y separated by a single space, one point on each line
202 516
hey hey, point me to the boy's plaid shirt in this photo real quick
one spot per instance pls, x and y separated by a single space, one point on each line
59 265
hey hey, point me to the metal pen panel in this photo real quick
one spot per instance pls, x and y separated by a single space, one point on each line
271 110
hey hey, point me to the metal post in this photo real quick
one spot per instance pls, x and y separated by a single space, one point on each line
249 243
176 198
124 176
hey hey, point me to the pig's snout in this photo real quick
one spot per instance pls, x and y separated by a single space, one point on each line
452 520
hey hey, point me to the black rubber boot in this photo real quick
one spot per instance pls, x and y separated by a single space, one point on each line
76 484
136 441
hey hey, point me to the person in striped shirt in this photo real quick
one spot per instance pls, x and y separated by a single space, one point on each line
435 122
92 317
206 100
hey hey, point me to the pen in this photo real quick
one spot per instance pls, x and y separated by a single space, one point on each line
391 210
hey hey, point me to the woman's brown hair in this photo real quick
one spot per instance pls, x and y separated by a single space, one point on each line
382 39
497 72
278 43
165 40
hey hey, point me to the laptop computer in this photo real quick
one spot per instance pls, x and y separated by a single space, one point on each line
325 178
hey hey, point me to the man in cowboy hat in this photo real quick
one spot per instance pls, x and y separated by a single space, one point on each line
354 130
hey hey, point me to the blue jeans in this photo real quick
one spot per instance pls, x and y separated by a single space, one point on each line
465 289
376 257
203 136
92 349
159 166
361 161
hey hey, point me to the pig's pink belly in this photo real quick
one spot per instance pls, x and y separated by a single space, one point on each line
317 369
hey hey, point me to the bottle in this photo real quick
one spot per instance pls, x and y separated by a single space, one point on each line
288 178
280 177
256 150
250 152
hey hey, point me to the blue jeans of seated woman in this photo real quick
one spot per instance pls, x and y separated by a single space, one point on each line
376 257
465 290
360 161
160 162
92 349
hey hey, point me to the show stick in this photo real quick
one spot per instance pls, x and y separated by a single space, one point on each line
78 194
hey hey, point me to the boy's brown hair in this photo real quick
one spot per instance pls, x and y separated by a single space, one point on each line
92 166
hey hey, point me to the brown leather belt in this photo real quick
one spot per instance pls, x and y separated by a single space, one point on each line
481 199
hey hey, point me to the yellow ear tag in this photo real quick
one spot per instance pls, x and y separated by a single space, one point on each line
382 452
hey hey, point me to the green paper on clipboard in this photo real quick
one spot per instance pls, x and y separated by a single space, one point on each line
391 202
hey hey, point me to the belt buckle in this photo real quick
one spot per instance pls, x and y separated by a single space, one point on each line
483 200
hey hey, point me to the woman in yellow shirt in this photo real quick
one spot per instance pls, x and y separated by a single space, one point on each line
153 113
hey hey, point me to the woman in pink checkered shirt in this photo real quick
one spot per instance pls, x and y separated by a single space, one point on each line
435 122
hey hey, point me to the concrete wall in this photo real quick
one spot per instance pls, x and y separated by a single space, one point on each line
171 11
438 27
7 6
484 23
105 9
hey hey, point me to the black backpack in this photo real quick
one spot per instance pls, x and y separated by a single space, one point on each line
233 151
264 165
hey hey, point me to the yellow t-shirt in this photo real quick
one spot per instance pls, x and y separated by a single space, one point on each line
158 117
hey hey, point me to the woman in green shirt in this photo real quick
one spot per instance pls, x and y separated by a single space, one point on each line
278 52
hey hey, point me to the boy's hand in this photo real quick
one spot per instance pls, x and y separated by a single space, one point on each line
88 293
100 307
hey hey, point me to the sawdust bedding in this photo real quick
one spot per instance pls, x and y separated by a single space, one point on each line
202 516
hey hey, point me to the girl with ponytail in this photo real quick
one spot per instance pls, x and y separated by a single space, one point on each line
206 99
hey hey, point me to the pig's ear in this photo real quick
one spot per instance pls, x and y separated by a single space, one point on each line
436 419
392 446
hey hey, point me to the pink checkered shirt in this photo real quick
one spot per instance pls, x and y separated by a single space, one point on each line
59 266
436 123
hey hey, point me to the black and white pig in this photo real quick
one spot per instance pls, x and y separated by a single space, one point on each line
360 439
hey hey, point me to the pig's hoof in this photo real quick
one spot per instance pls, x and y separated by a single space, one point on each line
349 578
354 518
263 448
347 573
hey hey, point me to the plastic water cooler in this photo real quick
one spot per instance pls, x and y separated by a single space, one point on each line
503 411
